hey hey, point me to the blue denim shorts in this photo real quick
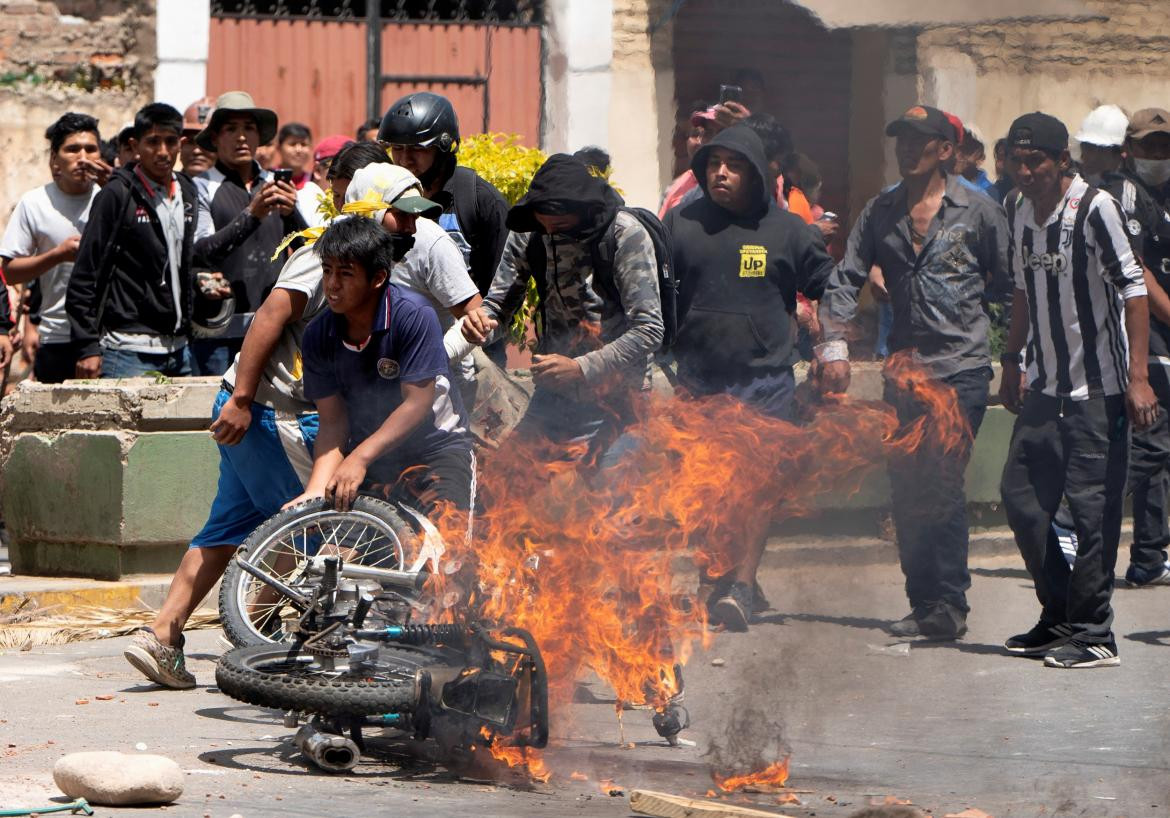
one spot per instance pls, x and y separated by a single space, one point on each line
256 476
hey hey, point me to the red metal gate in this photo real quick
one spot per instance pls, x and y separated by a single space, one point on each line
315 70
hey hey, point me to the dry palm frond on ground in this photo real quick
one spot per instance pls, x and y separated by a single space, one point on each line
28 627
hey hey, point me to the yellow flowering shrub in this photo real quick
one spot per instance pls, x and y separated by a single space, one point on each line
509 166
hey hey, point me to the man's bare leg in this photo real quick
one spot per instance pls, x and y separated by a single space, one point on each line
200 569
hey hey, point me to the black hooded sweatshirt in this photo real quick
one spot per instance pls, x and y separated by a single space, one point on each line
739 275
607 337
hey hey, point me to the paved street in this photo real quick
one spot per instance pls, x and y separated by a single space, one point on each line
947 727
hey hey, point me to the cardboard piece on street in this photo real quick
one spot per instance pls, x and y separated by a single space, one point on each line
665 805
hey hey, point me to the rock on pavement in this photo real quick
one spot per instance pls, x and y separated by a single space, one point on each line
115 779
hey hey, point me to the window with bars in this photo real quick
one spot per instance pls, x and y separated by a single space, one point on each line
515 12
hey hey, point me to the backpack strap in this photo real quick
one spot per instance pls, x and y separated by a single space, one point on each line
464 195
603 255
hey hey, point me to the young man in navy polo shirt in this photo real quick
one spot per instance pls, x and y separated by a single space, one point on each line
376 367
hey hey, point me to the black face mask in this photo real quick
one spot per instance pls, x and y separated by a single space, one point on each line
439 171
400 244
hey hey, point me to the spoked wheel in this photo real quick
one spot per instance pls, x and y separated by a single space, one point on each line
286 678
372 533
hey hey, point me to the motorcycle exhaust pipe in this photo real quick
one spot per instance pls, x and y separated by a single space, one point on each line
332 753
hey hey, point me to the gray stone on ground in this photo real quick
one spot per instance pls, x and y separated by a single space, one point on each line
113 779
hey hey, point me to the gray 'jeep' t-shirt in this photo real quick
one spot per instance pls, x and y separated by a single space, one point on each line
281 385
44 217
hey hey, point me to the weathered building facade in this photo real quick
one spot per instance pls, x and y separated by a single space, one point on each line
837 71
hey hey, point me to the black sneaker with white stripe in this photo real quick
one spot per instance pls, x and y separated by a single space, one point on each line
1039 640
1077 654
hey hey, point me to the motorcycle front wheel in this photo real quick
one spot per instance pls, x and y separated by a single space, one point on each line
372 533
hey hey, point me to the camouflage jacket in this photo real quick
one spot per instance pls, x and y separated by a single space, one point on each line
608 340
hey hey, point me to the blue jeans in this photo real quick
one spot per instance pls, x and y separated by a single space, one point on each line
881 347
929 502
213 356
122 363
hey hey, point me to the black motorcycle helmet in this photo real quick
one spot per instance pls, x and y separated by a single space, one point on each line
422 119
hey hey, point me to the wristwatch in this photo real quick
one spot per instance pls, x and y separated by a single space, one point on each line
1010 358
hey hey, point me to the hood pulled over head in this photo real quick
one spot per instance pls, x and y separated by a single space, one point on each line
743 140
564 185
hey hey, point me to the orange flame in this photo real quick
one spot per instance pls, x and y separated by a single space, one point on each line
607 787
586 559
526 757
769 779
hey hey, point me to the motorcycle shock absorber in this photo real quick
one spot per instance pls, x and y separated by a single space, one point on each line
419 635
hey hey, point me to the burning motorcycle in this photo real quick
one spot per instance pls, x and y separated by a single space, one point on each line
332 630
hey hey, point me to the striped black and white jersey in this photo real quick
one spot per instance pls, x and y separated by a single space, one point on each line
1077 269
1148 224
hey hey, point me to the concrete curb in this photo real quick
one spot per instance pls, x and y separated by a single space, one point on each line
802 552
66 593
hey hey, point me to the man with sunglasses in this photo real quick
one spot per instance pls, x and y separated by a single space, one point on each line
942 248
1080 304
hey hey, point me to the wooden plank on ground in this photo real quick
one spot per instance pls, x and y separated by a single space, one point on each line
665 805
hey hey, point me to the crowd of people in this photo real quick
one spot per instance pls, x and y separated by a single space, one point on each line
338 291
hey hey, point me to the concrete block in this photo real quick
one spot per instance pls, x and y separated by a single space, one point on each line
65 487
169 482
106 478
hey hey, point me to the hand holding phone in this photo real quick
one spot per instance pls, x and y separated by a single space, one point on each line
730 93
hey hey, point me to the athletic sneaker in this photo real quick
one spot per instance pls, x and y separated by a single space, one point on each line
733 608
162 664
1075 653
1039 640
1137 578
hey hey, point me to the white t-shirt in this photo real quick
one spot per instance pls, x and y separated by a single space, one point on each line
281 385
43 218
434 268
308 200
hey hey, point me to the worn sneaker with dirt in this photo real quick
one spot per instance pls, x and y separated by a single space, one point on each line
906 627
162 664
733 608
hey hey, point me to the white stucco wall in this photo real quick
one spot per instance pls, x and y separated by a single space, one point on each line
577 74
183 31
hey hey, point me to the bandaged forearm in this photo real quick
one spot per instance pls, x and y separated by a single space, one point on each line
455 344
831 351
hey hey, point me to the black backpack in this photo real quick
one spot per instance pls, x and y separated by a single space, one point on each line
603 252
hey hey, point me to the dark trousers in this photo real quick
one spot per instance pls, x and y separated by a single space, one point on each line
1149 459
1077 449
56 362
929 501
